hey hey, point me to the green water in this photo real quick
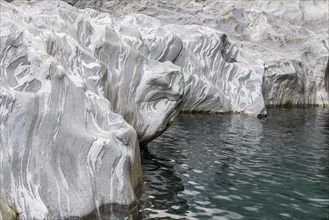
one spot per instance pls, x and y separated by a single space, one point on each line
239 167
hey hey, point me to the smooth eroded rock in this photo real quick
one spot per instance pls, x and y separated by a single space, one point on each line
76 97
284 44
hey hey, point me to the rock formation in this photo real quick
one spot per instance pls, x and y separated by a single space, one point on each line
284 44
217 76
80 89
75 99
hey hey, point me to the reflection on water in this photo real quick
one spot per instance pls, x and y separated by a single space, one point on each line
239 167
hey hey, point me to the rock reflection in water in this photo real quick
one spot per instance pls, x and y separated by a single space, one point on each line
162 185
235 166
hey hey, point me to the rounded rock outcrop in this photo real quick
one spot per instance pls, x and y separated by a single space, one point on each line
76 98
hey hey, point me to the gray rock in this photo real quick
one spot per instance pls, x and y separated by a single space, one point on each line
76 96
80 89
217 76
284 42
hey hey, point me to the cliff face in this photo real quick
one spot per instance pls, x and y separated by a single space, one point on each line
217 78
76 97
80 89
283 42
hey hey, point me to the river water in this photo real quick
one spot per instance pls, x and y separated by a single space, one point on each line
234 166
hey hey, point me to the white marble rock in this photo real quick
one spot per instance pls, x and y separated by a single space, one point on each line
80 89
285 43
76 98
218 76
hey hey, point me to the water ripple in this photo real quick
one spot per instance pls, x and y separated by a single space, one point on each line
239 167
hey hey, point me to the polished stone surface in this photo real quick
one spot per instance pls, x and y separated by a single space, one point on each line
280 47
76 98
80 89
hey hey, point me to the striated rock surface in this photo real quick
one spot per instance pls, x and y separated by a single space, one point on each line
76 96
80 89
288 41
217 76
